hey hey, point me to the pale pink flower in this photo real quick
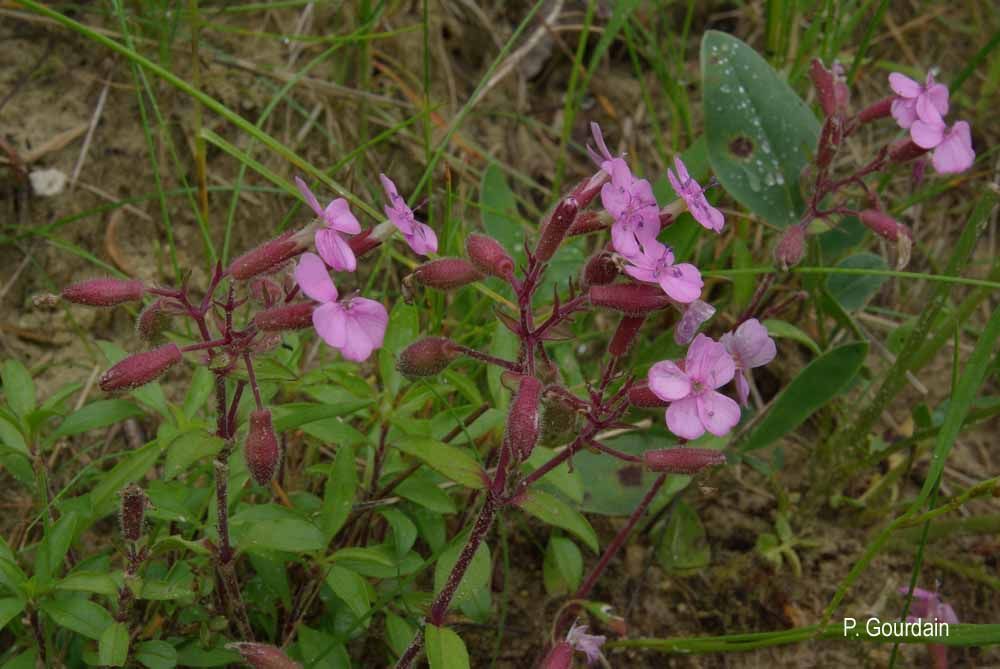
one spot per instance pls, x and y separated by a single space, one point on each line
655 264
355 326
695 405
694 197
694 316
602 156
750 346
631 203
915 102
954 153
419 236
927 605
338 219
588 644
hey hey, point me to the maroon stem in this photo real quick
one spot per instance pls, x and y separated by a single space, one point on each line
487 358
614 452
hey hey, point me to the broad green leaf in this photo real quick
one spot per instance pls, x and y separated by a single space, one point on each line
404 531
156 654
561 478
97 582
760 133
188 448
504 345
398 633
370 554
129 469
684 547
852 291
58 539
339 492
817 384
11 576
553 511
113 646
193 655
79 615
403 330
272 527
498 207
291 415
451 461
785 330
96 415
562 568
200 389
445 649
158 590
10 608
350 587
11 437
476 576
314 643
19 388
420 490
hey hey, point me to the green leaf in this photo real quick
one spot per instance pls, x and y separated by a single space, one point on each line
58 538
131 468
350 587
445 649
852 291
476 576
97 582
10 608
313 646
96 415
200 388
11 437
760 133
561 478
19 388
498 207
404 531
420 490
79 615
188 448
504 345
193 655
398 633
817 384
113 646
553 511
403 330
451 461
291 415
784 330
562 569
339 492
156 654
273 527
370 554
684 548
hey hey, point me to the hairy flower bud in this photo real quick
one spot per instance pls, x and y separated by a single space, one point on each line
446 273
263 656
682 459
696 313
587 222
266 291
791 247
266 258
877 110
585 191
132 513
556 228
642 396
560 657
489 256
830 137
261 447
522 422
559 420
905 150
153 320
295 316
363 242
884 225
831 90
104 292
622 340
629 298
427 357
601 269
139 369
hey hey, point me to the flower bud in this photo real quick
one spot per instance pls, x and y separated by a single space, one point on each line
263 656
153 320
558 422
622 340
642 396
363 242
587 222
877 110
601 269
266 291
140 368
884 225
104 292
696 313
560 657
261 447
682 459
585 191
132 512
266 258
831 90
791 247
905 150
522 421
829 140
489 256
446 273
295 316
629 298
556 228
427 357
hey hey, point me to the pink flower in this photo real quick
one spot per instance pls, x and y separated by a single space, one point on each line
603 156
655 264
355 327
696 313
954 153
588 644
419 236
694 197
631 203
751 346
914 102
695 405
927 605
338 218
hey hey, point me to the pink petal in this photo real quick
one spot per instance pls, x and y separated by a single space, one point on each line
954 153
903 86
642 191
312 277
309 197
709 362
615 199
422 240
697 313
742 388
750 345
668 381
675 183
707 215
623 239
681 282
682 418
339 217
644 274
718 413
946 614
371 317
682 171
595 131
389 187
335 250
926 111
938 95
904 111
330 321
926 135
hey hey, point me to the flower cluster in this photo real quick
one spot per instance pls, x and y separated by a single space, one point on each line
921 108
